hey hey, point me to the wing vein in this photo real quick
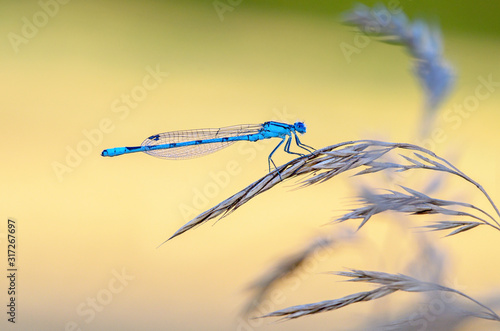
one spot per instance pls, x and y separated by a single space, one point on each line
187 152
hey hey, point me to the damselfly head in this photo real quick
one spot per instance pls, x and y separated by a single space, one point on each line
300 127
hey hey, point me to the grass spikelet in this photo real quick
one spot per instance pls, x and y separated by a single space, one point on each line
416 203
289 264
326 163
390 283
423 43
282 269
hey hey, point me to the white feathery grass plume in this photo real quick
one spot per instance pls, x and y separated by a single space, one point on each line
328 162
289 264
423 43
417 203
390 283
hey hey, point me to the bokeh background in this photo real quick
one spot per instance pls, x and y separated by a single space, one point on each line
81 80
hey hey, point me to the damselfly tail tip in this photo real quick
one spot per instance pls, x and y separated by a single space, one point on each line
105 153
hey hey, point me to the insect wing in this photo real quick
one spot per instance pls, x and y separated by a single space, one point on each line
193 151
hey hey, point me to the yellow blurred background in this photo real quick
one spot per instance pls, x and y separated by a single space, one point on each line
92 75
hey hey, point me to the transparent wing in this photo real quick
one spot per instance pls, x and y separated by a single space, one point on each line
187 152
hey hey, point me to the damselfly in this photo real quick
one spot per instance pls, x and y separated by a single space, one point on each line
187 144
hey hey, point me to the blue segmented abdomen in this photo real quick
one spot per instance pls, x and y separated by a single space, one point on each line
198 147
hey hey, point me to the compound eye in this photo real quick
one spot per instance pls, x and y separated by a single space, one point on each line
300 127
